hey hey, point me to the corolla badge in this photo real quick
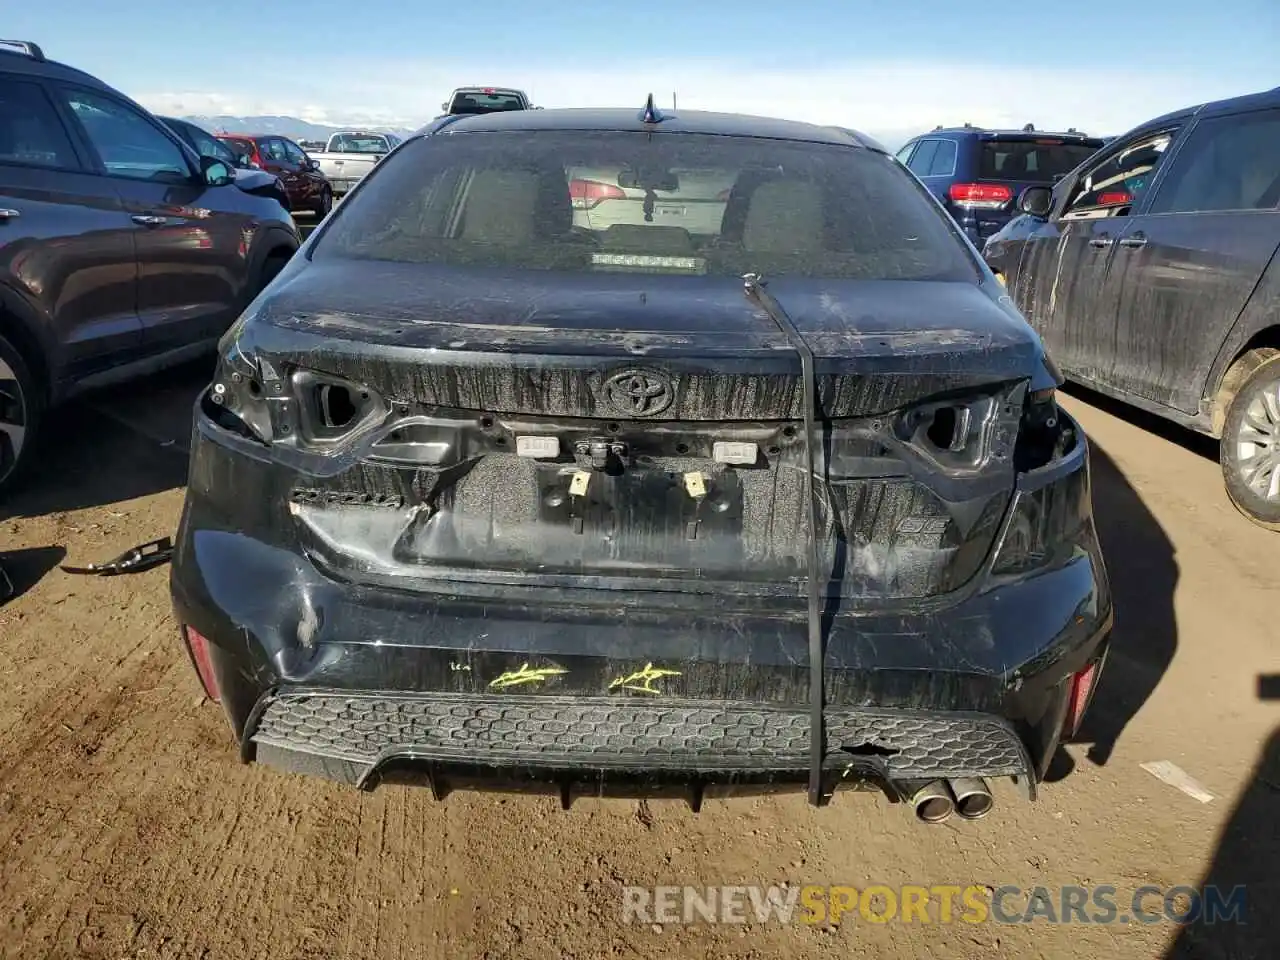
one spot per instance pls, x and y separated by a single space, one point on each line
639 393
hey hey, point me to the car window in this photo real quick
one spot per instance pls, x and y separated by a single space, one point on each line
944 159
30 131
243 149
293 152
273 149
488 101
1042 160
207 145
922 159
1227 163
614 201
905 152
359 143
1111 188
128 143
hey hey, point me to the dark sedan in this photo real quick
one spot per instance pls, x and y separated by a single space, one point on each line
486 487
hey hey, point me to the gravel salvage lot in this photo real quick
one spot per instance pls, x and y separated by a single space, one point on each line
129 829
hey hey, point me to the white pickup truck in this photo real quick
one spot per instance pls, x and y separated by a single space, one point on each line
350 154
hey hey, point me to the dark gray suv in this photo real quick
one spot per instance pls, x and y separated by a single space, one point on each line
1153 273
121 249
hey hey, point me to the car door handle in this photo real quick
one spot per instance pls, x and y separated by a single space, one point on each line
1137 240
7 214
1101 242
147 220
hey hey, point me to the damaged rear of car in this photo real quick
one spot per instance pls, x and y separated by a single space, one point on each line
485 490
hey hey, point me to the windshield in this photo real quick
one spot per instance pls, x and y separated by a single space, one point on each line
243 149
477 101
1037 161
678 204
205 144
357 143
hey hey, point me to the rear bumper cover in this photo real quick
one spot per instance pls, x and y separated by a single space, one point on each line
350 680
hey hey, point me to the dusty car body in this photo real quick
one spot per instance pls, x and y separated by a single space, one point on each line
1153 273
483 494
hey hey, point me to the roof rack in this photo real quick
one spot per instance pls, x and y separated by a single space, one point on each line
24 46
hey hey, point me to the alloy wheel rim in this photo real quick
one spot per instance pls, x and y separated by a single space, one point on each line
13 419
1258 443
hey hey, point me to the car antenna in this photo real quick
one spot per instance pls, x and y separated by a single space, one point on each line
650 114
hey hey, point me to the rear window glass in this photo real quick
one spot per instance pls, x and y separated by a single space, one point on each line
357 143
1029 160
476 101
239 147
678 204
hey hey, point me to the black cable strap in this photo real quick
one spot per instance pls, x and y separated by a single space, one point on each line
755 291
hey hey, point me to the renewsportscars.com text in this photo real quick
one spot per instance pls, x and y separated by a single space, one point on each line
939 903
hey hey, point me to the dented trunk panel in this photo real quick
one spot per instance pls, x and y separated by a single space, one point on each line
516 343
425 485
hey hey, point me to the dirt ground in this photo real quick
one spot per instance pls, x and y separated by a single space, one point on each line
129 829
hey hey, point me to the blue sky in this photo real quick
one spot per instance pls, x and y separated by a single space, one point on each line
888 68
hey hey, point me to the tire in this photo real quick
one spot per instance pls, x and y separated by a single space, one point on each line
22 402
271 267
1250 454
325 204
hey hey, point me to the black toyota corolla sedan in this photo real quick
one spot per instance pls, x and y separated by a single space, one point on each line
618 449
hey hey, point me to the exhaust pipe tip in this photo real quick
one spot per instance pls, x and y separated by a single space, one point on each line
973 798
932 802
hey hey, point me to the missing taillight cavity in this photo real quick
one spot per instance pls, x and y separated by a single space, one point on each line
1044 435
336 405
330 409
950 428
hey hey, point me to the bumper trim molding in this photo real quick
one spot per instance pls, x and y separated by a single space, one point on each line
352 736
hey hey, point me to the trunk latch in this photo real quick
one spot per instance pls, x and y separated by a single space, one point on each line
598 453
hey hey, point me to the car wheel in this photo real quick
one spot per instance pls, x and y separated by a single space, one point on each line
21 404
325 204
271 267
1251 439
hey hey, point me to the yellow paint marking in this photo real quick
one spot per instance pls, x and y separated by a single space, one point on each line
696 484
578 485
642 680
525 675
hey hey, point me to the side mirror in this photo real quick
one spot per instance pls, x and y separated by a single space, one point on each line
217 173
445 106
313 165
1036 202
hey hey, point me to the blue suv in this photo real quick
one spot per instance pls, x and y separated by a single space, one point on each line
978 174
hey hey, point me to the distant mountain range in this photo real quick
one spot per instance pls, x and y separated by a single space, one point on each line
295 128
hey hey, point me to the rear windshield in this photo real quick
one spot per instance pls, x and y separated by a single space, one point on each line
357 143
1037 161
678 204
242 148
476 101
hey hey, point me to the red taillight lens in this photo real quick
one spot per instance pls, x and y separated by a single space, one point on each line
1114 198
1082 685
585 194
980 194
198 648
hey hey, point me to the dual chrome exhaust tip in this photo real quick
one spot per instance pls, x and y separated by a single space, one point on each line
968 797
